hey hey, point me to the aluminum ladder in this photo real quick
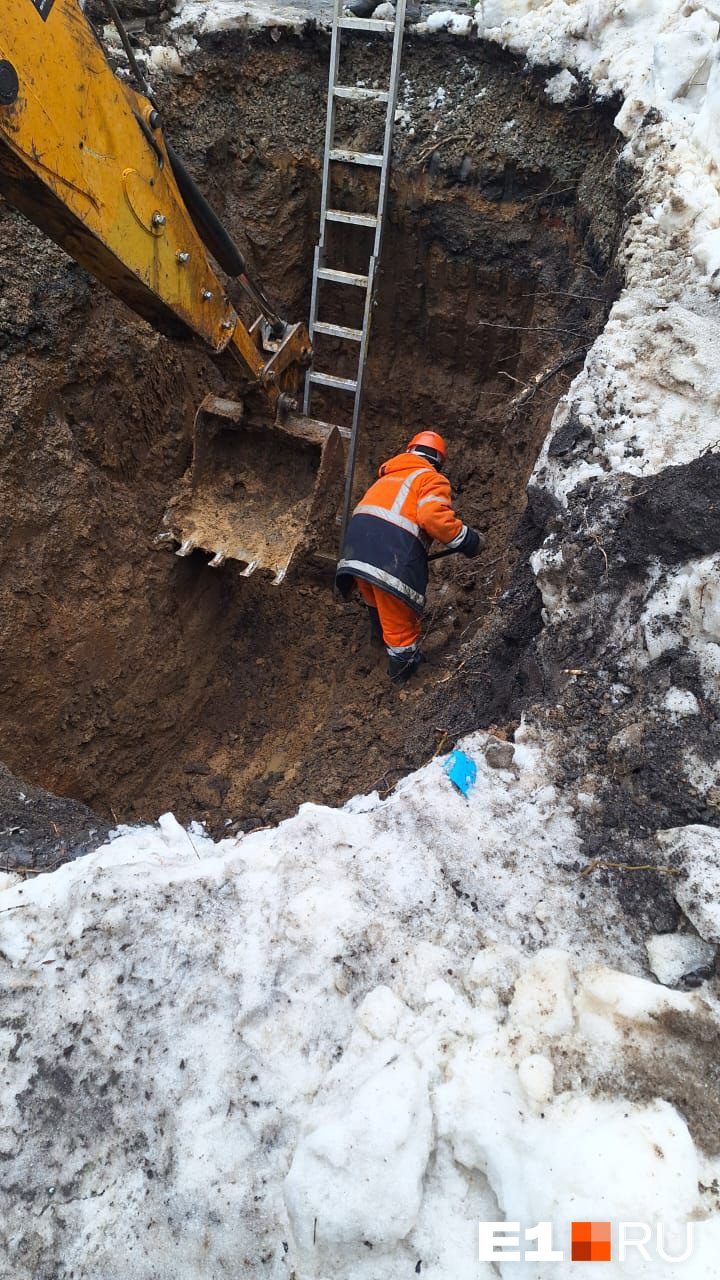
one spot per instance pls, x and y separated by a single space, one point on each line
321 270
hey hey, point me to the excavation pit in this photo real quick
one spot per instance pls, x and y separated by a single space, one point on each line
138 682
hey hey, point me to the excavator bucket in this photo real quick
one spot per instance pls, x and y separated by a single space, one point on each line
264 494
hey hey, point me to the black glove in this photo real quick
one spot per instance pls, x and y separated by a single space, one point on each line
472 544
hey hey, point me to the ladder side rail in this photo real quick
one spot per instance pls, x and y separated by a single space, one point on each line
311 327
370 295
331 109
390 124
329 135
354 431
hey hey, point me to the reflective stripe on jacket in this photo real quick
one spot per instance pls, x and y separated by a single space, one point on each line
387 539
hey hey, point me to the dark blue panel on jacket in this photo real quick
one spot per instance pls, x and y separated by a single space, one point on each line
386 555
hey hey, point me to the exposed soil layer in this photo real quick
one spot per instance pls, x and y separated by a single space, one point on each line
137 682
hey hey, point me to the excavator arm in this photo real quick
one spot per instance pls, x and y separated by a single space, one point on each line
83 156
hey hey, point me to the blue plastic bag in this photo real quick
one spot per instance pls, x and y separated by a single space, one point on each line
462 771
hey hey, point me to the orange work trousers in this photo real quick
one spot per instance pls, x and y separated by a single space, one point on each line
400 624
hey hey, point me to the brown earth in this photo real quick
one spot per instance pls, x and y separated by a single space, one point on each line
135 681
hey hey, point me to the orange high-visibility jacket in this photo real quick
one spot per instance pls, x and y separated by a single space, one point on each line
387 539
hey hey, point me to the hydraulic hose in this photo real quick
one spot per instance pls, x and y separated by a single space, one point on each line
129 51
207 224
218 240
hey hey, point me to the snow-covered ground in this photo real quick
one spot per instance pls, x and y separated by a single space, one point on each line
331 1049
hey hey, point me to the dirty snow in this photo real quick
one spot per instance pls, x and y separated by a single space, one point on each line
684 611
696 850
332 1048
650 393
678 610
204 17
457 24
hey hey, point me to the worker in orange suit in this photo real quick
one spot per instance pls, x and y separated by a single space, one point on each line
385 550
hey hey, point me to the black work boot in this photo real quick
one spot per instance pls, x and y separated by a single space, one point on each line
402 665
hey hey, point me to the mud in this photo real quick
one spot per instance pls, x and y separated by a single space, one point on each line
136 682
41 831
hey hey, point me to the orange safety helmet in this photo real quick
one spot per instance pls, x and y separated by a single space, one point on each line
428 440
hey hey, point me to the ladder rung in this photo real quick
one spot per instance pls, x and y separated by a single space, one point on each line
365 24
356 157
355 94
355 219
342 277
338 331
327 380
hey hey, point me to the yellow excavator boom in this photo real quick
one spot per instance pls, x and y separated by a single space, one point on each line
83 156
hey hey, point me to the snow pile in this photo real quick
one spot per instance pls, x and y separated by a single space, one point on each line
510 1142
650 393
457 24
206 17
649 396
324 1050
652 52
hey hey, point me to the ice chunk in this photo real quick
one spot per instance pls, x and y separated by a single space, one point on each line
380 1012
696 849
543 999
673 955
561 86
165 57
536 1074
680 56
458 24
357 1172
681 702
607 1001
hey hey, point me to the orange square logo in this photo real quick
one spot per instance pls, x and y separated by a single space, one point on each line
591 1242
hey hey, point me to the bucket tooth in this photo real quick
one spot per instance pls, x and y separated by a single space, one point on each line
186 548
279 577
218 560
249 568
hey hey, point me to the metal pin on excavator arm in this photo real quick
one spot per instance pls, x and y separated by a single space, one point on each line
82 155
